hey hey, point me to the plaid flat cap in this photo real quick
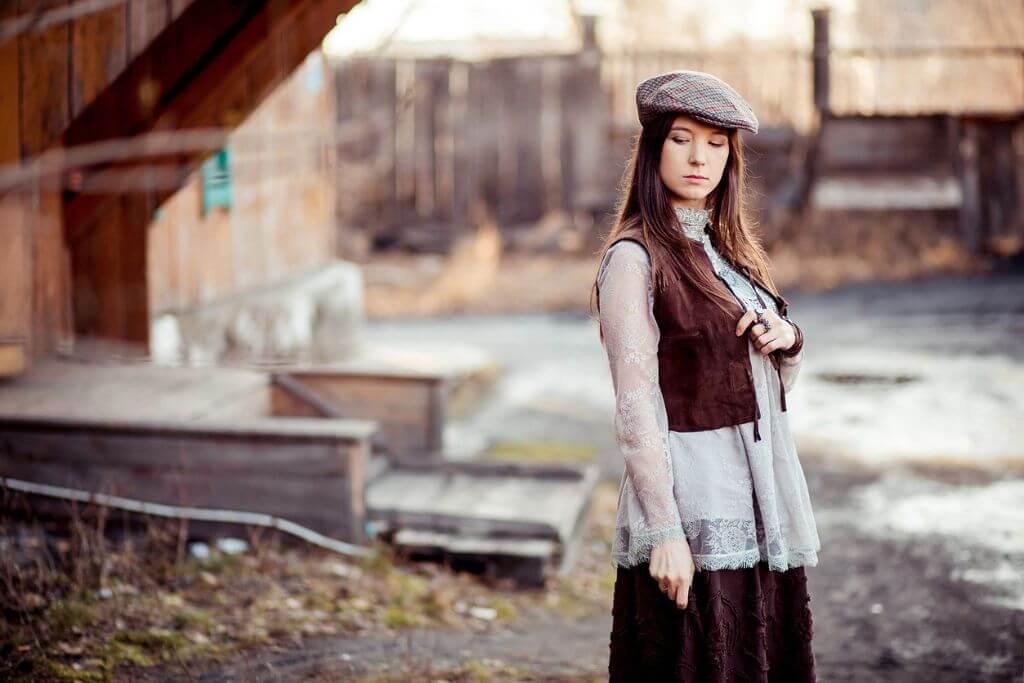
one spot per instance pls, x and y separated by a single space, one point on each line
705 97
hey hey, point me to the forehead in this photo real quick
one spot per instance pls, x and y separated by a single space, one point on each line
683 121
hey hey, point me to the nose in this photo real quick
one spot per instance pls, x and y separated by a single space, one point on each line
698 155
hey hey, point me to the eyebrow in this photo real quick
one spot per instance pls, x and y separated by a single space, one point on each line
690 130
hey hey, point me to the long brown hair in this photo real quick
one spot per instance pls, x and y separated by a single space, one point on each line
644 201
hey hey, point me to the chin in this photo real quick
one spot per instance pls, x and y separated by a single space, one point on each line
690 192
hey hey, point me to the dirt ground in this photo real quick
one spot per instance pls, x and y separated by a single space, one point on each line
890 603
883 611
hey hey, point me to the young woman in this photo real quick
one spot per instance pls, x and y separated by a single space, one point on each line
714 523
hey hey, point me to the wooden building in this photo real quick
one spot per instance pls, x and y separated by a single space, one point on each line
241 260
126 132
922 113
914 112
93 100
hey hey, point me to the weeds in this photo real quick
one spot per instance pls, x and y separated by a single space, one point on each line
101 595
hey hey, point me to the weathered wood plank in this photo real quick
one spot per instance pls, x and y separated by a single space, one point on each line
487 505
309 471
495 468
322 504
15 269
341 431
526 561
516 547
525 123
45 101
526 526
51 276
146 18
110 297
10 87
108 390
98 53
13 359
409 407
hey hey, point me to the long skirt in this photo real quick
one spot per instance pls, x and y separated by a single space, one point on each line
749 624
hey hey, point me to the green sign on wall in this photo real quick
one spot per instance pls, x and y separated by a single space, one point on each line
216 180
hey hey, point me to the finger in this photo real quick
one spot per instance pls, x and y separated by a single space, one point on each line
684 597
758 329
772 342
748 316
768 336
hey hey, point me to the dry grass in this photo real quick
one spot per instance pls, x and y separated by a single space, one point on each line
82 602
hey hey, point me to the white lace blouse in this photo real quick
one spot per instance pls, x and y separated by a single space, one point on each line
736 500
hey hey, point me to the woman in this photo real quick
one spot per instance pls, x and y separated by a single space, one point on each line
714 524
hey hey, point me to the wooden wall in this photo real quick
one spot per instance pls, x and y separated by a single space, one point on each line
282 216
73 74
48 76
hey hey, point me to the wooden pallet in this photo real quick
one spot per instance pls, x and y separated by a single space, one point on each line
520 521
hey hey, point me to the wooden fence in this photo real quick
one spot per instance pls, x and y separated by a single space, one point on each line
448 145
451 144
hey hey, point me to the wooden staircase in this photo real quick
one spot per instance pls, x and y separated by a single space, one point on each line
350 453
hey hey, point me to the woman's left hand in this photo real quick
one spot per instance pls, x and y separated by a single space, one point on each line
779 335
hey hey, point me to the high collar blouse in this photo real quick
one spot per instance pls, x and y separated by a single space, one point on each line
737 501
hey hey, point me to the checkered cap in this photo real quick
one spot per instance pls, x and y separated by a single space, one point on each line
705 97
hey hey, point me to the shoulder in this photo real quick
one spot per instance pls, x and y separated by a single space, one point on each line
629 248
626 254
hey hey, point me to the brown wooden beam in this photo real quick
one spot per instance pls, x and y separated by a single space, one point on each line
211 67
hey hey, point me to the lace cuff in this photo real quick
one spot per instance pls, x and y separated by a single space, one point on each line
636 545
789 370
630 334
790 367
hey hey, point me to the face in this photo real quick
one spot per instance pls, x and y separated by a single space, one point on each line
693 160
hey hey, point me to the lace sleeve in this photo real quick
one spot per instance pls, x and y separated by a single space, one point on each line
790 369
630 336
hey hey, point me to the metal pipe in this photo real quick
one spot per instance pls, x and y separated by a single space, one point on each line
199 514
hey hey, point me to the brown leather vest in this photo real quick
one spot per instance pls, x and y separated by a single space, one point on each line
703 367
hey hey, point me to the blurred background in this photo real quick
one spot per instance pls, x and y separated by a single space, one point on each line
294 351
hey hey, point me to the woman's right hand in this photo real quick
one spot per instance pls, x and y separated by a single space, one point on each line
672 567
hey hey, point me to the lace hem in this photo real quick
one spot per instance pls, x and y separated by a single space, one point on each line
631 549
748 558
742 560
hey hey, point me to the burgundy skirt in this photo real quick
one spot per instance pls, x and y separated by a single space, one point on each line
749 624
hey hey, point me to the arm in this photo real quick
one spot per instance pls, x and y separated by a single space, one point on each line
630 335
